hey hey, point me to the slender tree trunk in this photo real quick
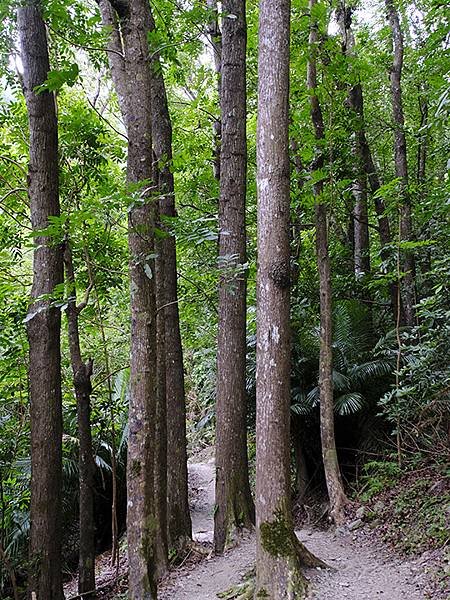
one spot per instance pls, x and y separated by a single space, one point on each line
44 319
330 460
215 37
279 553
82 373
117 68
401 164
365 161
234 503
355 100
160 457
301 469
131 23
384 228
179 519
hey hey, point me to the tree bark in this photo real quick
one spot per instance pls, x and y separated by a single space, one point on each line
82 373
179 518
355 101
160 457
215 37
365 160
333 477
44 319
279 554
401 165
132 78
234 503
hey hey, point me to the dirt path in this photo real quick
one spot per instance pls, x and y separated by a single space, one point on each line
361 572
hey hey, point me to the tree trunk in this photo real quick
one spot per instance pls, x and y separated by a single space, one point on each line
131 24
215 37
160 458
401 165
301 469
179 518
44 319
355 100
333 477
234 503
82 373
364 155
279 554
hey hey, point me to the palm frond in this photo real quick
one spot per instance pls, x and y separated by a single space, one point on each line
101 463
313 397
341 382
349 404
362 374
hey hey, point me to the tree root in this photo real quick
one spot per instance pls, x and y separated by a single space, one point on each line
307 558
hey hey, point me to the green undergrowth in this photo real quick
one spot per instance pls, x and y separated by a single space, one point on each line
409 507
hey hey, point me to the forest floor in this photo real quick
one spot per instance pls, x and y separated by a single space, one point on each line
361 568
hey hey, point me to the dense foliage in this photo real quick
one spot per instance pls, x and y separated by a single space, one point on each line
392 382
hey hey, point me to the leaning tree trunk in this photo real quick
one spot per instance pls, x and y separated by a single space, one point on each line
178 517
234 504
82 373
333 477
131 72
279 553
401 165
44 318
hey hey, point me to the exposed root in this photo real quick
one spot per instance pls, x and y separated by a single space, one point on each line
307 558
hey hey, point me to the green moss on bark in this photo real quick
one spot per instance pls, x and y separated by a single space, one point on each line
276 537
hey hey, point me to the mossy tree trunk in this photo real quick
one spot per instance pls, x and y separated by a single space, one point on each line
279 554
234 503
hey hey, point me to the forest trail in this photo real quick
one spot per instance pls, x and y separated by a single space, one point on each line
361 571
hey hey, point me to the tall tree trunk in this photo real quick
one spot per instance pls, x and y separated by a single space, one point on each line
401 164
333 477
179 519
131 23
44 319
234 503
215 37
279 553
160 458
364 155
82 373
355 100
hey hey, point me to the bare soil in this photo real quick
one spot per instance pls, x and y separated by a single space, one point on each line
360 570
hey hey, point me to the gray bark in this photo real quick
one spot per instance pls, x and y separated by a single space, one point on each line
333 477
401 165
234 503
44 319
179 519
82 373
131 21
279 555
